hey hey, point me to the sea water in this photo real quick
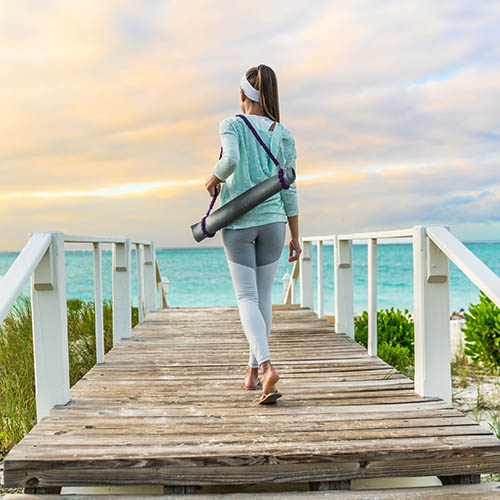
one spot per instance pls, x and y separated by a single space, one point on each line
199 277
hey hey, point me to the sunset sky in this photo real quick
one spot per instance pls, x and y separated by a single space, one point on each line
110 112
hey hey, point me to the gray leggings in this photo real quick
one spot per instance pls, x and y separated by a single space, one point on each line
252 255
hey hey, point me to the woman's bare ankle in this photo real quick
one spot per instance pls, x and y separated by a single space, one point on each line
252 376
269 377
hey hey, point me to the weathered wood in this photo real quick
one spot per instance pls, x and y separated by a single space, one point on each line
245 474
50 490
250 423
483 491
330 485
461 479
87 408
179 490
166 407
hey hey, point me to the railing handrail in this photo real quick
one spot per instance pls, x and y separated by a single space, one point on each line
13 281
471 265
328 237
75 238
162 284
433 248
395 233
42 262
288 295
18 274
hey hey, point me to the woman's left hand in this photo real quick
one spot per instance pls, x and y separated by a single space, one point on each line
212 183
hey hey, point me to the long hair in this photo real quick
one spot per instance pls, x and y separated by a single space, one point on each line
263 79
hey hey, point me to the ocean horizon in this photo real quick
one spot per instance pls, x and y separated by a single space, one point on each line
199 277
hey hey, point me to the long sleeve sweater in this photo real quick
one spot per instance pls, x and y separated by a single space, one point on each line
244 163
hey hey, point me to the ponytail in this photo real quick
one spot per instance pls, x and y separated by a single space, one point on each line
263 79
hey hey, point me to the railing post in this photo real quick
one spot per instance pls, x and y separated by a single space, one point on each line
289 290
344 295
149 286
372 297
139 272
306 276
320 278
431 318
164 285
50 328
293 298
122 318
285 283
99 320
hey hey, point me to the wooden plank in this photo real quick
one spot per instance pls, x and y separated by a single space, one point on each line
173 441
142 471
222 454
166 407
213 425
483 491
426 408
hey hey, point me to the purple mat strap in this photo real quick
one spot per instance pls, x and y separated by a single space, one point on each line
284 185
214 197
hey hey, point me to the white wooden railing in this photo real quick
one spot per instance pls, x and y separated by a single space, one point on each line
433 247
42 261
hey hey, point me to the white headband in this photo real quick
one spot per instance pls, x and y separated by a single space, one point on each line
248 90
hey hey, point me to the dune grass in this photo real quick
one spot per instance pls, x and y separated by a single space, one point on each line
17 376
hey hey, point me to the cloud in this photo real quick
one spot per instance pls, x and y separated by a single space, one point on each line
454 195
392 105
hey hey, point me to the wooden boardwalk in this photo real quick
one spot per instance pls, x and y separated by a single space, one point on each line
166 407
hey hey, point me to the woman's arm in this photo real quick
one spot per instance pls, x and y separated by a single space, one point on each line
289 197
229 159
294 245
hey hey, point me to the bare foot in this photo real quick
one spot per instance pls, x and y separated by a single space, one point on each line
252 378
269 378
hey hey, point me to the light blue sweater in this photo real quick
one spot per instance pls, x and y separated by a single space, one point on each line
244 164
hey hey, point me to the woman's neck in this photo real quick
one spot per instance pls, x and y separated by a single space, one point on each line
253 108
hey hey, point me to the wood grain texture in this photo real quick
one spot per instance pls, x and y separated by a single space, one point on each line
484 491
167 407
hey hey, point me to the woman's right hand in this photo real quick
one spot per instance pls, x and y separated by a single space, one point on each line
294 245
213 184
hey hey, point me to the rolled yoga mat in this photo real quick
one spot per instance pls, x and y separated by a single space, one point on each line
242 204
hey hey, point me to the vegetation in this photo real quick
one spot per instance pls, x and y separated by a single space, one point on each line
17 376
476 387
395 345
482 334
495 423
395 338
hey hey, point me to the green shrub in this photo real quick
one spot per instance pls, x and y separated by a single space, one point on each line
17 375
395 338
482 333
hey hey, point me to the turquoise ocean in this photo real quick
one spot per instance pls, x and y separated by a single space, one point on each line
200 277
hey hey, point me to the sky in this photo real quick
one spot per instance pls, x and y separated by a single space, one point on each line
110 112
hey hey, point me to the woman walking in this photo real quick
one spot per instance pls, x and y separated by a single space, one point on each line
253 243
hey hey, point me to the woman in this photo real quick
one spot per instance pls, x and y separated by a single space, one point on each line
254 242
